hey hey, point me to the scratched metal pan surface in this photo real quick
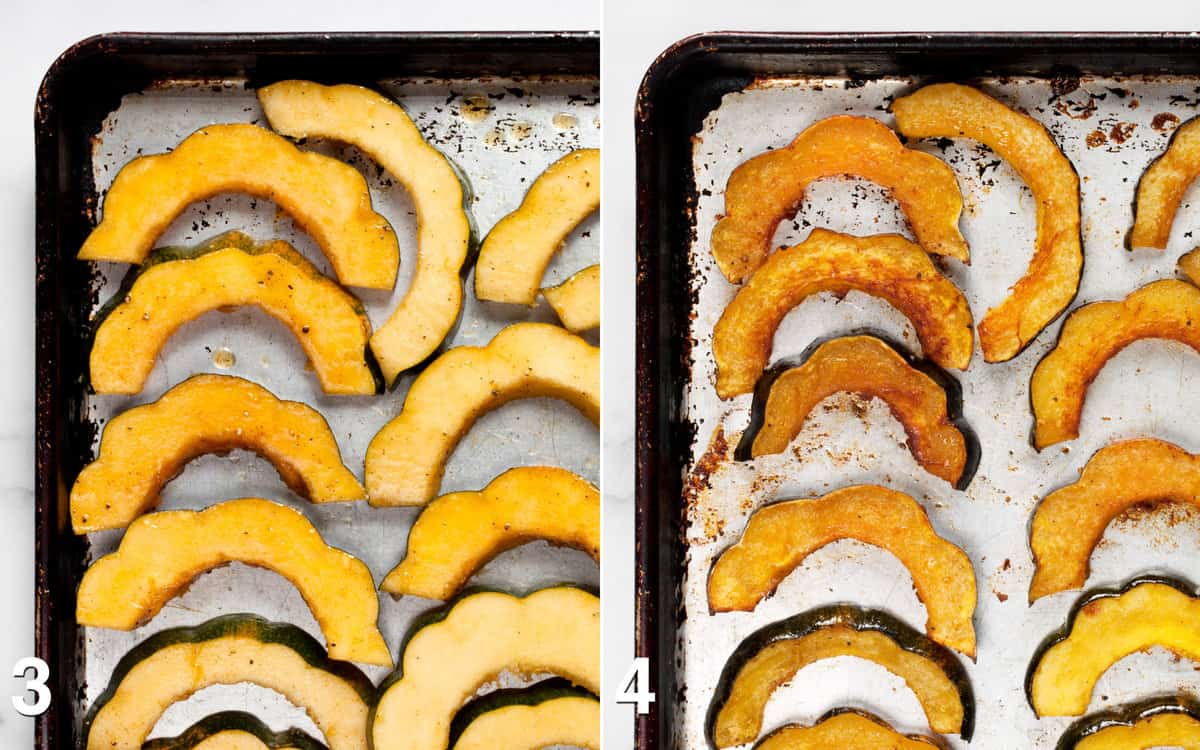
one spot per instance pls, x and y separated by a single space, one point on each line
711 103
502 107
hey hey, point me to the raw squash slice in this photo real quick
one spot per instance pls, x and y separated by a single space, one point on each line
576 301
1162 187
445 235
780 536
143 448
179 286
162 553
406 458
1172 721
514 255
770 657
327 198
550 713
844 729
171 665
456 534
234 730
925 399
1095 333
1104 627
887 266
770 187
451 655
949 110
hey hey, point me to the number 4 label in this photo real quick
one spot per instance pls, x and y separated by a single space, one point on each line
635 686
35 685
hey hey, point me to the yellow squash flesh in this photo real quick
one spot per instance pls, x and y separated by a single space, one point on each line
846 730
576 301
1162 188
1164 730
573 721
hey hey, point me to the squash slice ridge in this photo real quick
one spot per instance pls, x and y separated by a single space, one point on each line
549 713
576 301
235 730
1165 721
1162 187
844 729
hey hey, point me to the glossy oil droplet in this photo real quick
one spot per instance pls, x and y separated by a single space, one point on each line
224 358
564 121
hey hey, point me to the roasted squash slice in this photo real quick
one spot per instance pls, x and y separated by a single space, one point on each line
949 110
770 188
514 255
770 656
451 654
550 713
576 301
1104 627
445 233
234 730
887 266
1068 524
143 448
406 458
1162 186
173 664
456 534
162 553
1156 722
327 198
924 398
179 286
780 536
844 729
1095 333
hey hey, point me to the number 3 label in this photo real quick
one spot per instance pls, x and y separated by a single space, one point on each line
35 685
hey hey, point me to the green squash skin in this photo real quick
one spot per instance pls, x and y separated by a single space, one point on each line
934 741
533 695
1128 715
235 721
857 618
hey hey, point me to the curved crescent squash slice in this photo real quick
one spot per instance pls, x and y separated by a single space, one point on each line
448 658
1156 722
383 130
405 460
234 730
549 713
143 448
1104 627
770 187
456 534
925 400
772 655
780 536
514 255
179 286
576 301
1094 334
887 266
327 198
1162 187
950 110
844 729
173 664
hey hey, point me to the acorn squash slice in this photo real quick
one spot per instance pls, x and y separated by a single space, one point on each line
405 460
844 729
145 447
382 129
1068 524
550 713
1104 627
179 286
234 730
781 535
514 255
1094 334
1162 187
769 188
770 656
887 266
161 553
171 665
457 534
452 653
325 197
576 301
1172 721
924 398
950 110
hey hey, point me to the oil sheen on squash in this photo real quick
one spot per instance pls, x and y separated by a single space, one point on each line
1162 187
843 730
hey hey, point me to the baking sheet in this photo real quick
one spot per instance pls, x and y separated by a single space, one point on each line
1142 391
502 133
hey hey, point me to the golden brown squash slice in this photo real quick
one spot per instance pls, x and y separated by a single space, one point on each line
769 657
887 266
925 400
576 301
1103 628
406 458
179 286
514 255
1094 334
770 187
1162 187
1068 524
383 130
1156 722
844 729
780 536
949 110
457 534
327 198
143 448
